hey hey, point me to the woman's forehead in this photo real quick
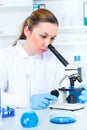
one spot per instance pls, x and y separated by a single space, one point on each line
46 28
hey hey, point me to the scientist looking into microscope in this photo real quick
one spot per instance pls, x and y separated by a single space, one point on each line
30 57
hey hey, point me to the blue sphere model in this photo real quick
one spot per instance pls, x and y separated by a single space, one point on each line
29 119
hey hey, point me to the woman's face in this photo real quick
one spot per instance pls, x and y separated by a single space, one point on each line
41 35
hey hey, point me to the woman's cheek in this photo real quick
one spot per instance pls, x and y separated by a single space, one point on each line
36 41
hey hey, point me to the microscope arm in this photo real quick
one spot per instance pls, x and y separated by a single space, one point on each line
71 70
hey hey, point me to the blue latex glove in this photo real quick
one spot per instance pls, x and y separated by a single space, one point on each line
83 96
41 101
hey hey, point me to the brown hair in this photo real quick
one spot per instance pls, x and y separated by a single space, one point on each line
37 16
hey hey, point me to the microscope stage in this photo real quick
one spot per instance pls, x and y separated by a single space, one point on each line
67 106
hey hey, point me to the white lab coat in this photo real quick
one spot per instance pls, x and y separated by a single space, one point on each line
16 68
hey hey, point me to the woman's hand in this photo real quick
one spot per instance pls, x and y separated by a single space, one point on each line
41 101
83 96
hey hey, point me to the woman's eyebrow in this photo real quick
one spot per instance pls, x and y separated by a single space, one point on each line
48 34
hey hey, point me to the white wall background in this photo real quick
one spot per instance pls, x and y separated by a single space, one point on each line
12 15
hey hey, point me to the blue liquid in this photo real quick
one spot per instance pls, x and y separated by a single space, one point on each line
62 120
29 119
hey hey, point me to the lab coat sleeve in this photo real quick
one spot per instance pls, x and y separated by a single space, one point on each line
7 98
3 73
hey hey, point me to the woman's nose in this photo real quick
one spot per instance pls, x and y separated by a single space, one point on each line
47 42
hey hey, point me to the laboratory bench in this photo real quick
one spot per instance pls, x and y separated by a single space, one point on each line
13 123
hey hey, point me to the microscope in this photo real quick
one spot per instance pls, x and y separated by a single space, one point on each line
69 102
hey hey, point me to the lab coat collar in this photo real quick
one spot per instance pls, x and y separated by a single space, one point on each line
20 49
22 52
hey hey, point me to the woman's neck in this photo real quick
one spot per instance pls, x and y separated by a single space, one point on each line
27 48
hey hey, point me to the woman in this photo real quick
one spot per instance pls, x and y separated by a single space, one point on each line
28 70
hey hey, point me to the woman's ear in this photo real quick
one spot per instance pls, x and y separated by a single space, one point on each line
26 31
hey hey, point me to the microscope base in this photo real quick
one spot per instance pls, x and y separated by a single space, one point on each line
67 106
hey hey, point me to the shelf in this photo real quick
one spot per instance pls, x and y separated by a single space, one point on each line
54 0
70 43
79 63
73 29
16 3
13 6
10 9
16 11
7 34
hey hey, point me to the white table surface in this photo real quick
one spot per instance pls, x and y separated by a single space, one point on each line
13 123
